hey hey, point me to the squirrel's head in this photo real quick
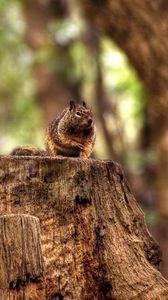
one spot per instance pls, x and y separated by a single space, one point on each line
80 116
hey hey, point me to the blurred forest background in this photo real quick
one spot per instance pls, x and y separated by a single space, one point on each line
113 55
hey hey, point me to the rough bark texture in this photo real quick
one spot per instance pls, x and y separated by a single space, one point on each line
21 265
95 242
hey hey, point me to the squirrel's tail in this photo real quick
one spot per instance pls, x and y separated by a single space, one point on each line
26 150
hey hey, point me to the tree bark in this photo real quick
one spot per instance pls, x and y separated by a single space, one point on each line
21 265
94 239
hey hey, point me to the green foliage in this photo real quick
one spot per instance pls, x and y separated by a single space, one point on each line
19 114
152 217
122 83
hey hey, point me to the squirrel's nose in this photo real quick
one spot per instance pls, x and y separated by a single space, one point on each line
90 121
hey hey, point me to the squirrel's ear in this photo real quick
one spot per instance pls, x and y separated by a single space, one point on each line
84 104
72 105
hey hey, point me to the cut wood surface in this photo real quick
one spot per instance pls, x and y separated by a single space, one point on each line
95 243
21 265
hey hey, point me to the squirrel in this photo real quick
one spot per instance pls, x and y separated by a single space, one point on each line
72 133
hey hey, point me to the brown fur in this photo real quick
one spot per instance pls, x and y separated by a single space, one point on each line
26 150
71 133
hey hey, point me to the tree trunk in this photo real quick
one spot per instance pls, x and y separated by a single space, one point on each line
54 88
94 239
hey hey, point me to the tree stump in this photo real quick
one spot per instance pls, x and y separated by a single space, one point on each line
21 265
94 239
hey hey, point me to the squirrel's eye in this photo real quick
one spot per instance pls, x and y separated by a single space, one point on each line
78 114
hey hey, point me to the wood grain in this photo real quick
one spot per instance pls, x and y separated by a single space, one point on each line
21 263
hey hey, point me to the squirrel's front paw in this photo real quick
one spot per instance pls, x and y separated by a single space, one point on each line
80 146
